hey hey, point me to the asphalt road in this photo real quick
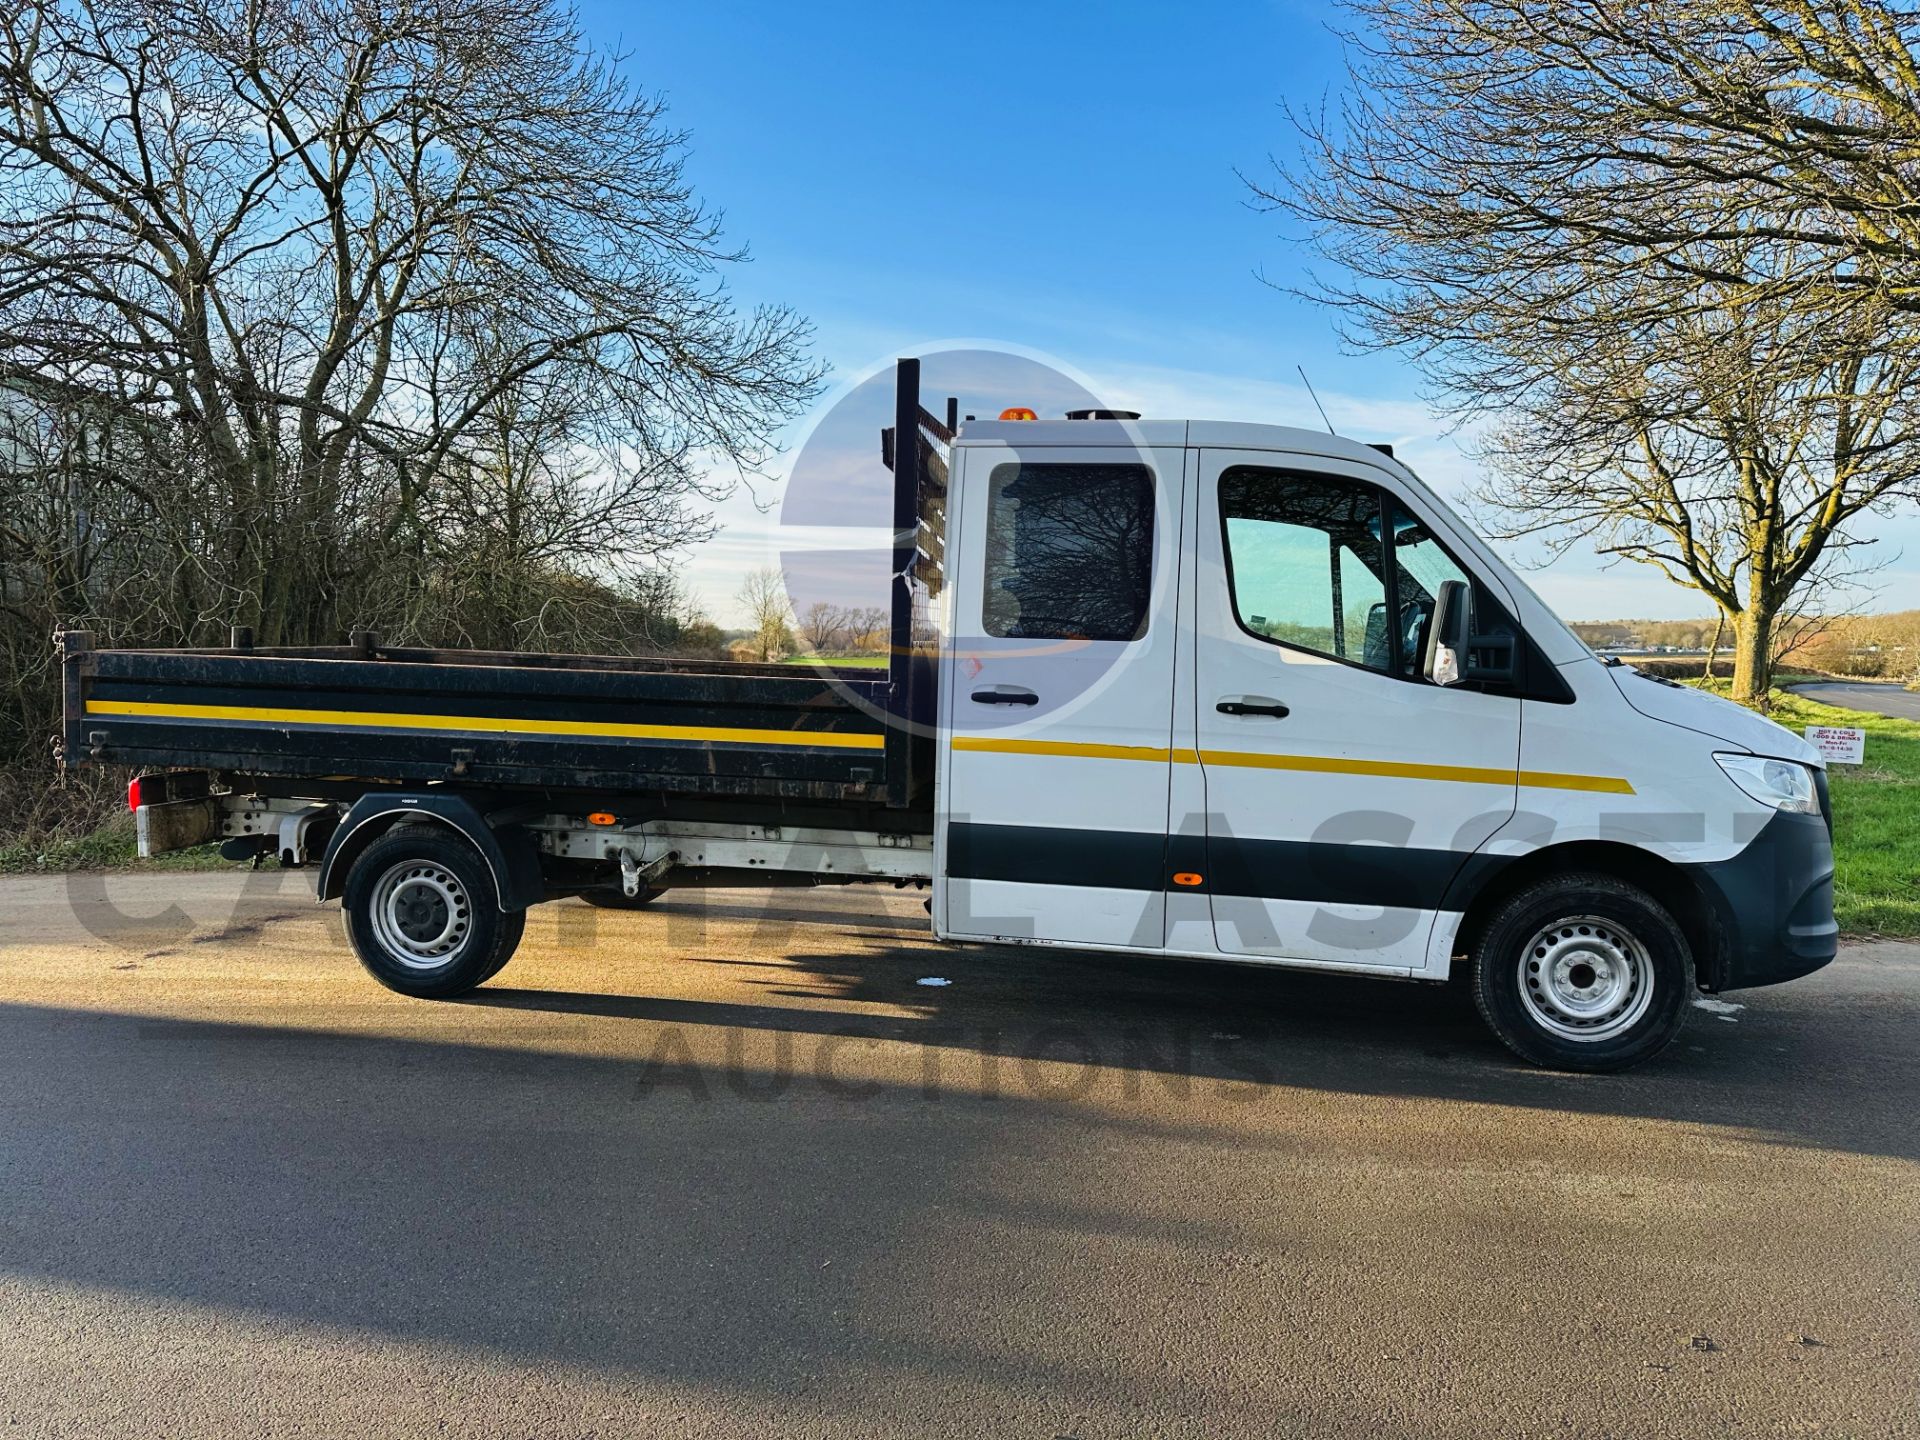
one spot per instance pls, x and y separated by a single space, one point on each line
738 1171
1895 700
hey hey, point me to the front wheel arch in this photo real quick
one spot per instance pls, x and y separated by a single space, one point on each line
1669 883
1583 972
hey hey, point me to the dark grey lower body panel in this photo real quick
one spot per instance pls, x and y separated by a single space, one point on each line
1330 873
1773 904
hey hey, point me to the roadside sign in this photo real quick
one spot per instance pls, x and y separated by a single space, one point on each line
1839 744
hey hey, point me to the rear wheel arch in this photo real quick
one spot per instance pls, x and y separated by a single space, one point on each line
512 860
420 915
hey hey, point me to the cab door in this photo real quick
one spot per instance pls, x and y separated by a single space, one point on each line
1057 693
1344 791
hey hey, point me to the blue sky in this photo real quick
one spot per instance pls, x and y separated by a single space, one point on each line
1057 178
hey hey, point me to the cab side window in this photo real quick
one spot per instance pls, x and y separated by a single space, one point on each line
1304 563
1422 566
1069 551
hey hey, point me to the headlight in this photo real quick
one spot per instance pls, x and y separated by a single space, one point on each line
1783 784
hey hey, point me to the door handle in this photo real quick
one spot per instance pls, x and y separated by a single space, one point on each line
1252 705
1005 695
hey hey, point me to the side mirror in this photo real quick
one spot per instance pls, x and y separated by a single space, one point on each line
1444 662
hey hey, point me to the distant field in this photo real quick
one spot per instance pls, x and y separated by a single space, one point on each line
835 662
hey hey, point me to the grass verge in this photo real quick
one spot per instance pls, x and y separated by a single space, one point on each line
111 847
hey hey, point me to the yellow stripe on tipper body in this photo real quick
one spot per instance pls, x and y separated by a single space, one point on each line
1305 764
490 725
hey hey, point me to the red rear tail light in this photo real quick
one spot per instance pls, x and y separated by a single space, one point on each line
133 793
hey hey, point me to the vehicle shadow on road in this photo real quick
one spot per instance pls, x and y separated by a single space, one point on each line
1121 1020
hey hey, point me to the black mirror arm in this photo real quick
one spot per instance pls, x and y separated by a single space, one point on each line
1491 657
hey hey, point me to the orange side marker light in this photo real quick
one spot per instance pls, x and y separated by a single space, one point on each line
1188 878
601 817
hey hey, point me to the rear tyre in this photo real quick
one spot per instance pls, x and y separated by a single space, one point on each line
423 916
1583 972
619 899
516 924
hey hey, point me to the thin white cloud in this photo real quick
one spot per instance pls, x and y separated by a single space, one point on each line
1581 585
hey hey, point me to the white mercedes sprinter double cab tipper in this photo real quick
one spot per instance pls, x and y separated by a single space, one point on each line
1241 692
1225 692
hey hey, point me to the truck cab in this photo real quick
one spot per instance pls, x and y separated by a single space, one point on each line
1255 694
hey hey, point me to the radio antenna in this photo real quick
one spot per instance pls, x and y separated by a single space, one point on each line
1316 400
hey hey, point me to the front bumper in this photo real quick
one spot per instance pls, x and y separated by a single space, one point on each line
1772 905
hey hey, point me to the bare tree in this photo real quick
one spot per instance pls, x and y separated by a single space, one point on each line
1732 446
1870 646
763 595
327 241
1520 147
822 625
352 313
1570 214
870 628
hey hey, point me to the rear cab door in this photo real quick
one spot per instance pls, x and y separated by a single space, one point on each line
1056 691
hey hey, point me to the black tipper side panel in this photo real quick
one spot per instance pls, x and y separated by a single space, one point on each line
630 725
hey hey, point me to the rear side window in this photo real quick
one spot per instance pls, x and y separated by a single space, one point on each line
1069 551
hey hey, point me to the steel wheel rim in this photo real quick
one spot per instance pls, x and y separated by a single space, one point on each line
1585 979
422 914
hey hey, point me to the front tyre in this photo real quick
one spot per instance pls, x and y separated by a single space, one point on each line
423 917
1583 972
